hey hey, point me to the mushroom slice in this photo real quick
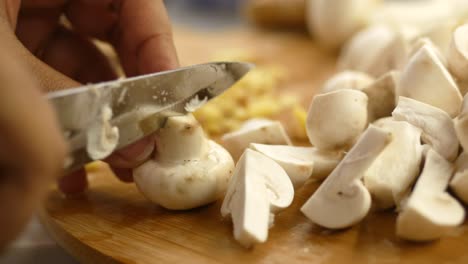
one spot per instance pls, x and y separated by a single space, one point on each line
437 127
188 170
458 53
300 163
258 188
261 131
459 182
334 21
397 167
375 50
347 80
461 124
381 94
421 42
102 137
336 119
426 79
430 211
342 200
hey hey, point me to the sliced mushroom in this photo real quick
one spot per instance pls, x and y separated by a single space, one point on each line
437 127
347 80
397 167
102 137
375 50
188 170
259 188
381 94
342 200
261 131
336 119
430 211
458 53
300 163
421 42
459 182
426 79
332 22
461 124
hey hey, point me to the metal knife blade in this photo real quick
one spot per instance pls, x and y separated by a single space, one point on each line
139 105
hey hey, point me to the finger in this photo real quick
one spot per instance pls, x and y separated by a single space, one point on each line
125 175
133 155
73 183
77 58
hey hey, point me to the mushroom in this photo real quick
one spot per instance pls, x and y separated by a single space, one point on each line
102 138
188 170
258 189
300 163
381 94
458 54
342 200
437 127
430 211
336 119
375 50
397 167
347 80
461 124
332 22
459 182
261 131
421 42
426 79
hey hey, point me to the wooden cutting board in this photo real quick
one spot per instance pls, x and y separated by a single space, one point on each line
113 223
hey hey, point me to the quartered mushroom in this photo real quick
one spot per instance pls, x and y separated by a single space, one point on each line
436 125
430 211
188 170
301 163
381 94
342 200
397 167
347 80
459 182
461 124
258 189
426 79
336 119
458 56
332 22
421 42
375 50
261 131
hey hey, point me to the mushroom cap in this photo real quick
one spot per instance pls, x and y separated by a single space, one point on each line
182 185
347 80
430 211
426 79
437 127
336 119
255 131
342 200
397 167
458 53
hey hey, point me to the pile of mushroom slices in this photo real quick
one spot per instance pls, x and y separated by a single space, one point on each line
390 142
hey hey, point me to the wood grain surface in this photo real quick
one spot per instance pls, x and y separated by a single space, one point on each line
113 223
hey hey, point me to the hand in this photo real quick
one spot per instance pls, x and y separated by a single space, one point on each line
33 43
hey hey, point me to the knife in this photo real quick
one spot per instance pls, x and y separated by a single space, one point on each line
136 106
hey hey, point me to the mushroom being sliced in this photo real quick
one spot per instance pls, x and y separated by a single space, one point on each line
300 163
347 80
188 170
426 79
381 94
259 188
436 125
261 131
396 168
336 119
430 211
459 182
342 200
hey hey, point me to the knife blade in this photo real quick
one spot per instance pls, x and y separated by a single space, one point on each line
138 105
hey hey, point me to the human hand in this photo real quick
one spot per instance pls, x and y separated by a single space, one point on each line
60 57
